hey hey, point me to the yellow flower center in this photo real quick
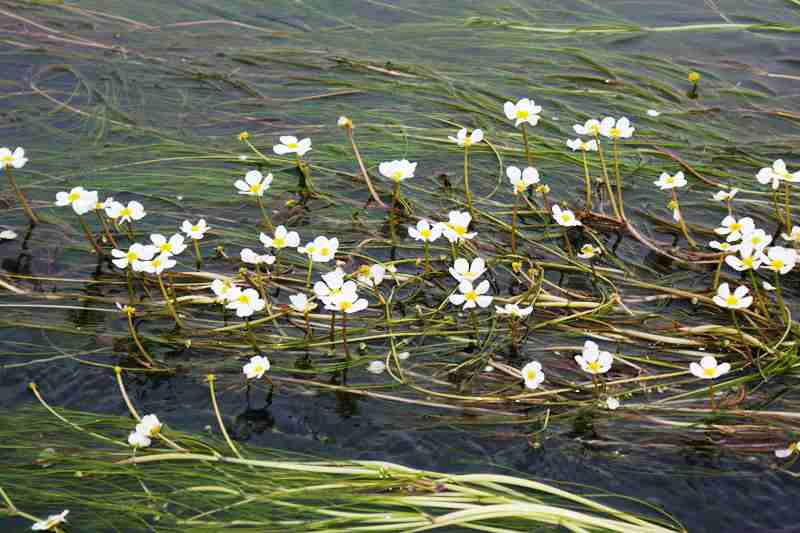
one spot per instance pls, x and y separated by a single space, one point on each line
531 375
670 180
73 197
426 233
325 251
755 240
125 212
735 227
522 114
344 305
195 228
259 369
292 146
709 372
748 261
776 264
566 217
363 270
460 230
614 132
731 300
594 129
255 188
165 248
7 159
311 249
156 262
398 175
519 187
471 296
594 366
132 256
244 299
278 242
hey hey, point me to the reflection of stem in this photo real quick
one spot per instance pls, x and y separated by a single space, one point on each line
588 182
210 379
371 188
168 301
22 200
136 340
264 215
90 237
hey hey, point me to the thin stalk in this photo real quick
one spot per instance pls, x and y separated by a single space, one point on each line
711 402
22 200
681 222
264 215
620 204
90 237
567 244
344 336
308 276
426 248
787 206
588 182
514 225
210 378
106 229
198 259
466 182
779 295
715 282
778 210
364 173
136 340
134 413
526 143
333 327
757 293
169 301
605 177
474 318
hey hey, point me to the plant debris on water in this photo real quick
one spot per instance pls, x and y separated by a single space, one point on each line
585 242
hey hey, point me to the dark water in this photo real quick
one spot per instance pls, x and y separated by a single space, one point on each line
706 491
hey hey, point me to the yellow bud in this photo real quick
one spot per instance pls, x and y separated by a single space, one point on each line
516 266
244 136
694 76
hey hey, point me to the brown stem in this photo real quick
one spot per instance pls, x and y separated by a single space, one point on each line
22 200
364 174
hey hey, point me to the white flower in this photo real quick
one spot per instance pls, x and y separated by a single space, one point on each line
532 374
290 145
376 367
125 213
789 450
514 310
347 301
749 258
724 196
462 139
592 360
591 127
54 519
344 122
149 425
522 179
471 296
282 239
777 173
221 288
245 302
612 403
758 239
8 235
371 275
588 251
301 303
157 265
15 159
735 228
105 204
425 232
585 146
565 217
254 183
779 259
455 229
793 236
256 367
136 252
403 355
462 270
724 246
398 170
767 286
195 231
653 113
250 257
139 440
737 299
524 110
321 249
175 245
81 200
616 129
708 368
332 285
665 181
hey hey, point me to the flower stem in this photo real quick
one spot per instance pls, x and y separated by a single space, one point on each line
605 178
210 378
588 182
22 200
784 316
681 222
567 244
474 318
264 215
757 293
426 248
344 336
136 340
90 237
310 268
466 181
778 210
333 326
715 282
787 206
364 173
106 229
620 204
514 225
197 257
168 301
711 402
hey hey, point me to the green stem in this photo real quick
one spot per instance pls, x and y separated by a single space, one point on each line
787 206
344 336
137 341
620 204
526 142
588 182
168 301
214 404
514 225
197 257
605 177
681 222
106 229
778 293
265 217
466 181
89 236
22 200
308 276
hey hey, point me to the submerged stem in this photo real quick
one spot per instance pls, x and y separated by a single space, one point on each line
210 379
169 301
22 200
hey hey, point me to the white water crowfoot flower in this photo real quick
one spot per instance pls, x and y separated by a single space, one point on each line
136 254
462 139
616 129
589 252
524 111
397 170
332 285
612 403
256 368
591 127
125 213
290 145
724 196
51 521
455 229
347 301
777 173
139 440
734 229
15 159
783 453
281 239
244 302
221 289
724 246
175 245
371 275
8 235
254 183
564 217
81 200
737 299
149 425
251 258
157 265
321 249
584 146
462 270
195 231
594 361
708 368
425 231
532 375
513 310
470 296
522 179
758 239
779 259
301 303
665 181
792 236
